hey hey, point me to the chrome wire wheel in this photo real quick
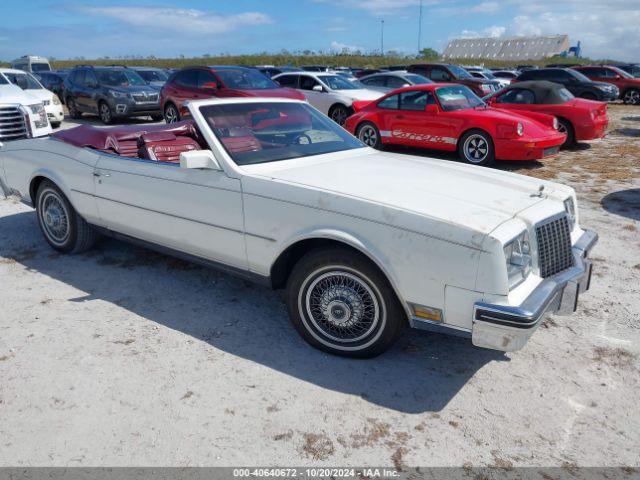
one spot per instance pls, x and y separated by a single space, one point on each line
632 97
343 307
54 217
476 148
171 114
339 115
368 135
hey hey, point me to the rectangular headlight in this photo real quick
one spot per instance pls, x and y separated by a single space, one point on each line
517 254
570 208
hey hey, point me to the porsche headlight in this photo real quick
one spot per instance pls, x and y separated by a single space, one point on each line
556 125
570 208
517 254
56 100
520 129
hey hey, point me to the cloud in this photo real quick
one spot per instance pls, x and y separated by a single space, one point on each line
343 48
179 19
379 7
494 31
486 7
612 34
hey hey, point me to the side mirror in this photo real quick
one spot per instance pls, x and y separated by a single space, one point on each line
432 109
199 159
211 85
318 88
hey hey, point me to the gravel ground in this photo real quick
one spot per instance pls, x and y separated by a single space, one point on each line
123 357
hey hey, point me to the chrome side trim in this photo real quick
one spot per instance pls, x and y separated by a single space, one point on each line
437 327
231 270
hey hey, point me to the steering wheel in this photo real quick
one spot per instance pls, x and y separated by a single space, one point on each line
302 139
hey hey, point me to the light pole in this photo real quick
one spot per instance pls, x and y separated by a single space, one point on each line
420 28
382 37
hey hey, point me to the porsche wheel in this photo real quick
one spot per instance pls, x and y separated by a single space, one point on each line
369 134
62 227
171 114
631 97
564 126
476 147
340 303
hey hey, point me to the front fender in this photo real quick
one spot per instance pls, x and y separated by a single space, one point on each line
355 241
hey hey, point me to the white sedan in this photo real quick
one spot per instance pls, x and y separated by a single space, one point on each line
365 242
31 85
330 93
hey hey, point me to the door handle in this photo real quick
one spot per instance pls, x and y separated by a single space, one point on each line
400 117
100 174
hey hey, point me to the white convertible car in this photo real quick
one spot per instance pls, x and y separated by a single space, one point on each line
365 242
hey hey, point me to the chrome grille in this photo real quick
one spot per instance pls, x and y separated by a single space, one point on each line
554 246
145 97
12 125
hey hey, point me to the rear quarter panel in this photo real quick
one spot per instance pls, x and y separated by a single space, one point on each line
69 167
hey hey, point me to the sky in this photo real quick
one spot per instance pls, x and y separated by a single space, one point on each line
94 29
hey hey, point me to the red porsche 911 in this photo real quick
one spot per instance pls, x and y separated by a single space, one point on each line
580 119
451 117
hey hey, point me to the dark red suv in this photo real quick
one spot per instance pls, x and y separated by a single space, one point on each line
448 73
628 85
194 83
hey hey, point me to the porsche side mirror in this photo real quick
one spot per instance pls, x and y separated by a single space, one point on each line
318 88
432 109
199 159
211 85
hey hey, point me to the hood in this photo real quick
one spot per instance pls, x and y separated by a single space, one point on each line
135 89
14 94
41 94
270 93
361 94
407 191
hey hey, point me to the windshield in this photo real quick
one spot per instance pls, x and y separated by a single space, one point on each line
25 81
40 67
119 78
459 72
272 131
245 79
3 81
621 72
417 79
489 74
578 75
153 75
457 97
335 82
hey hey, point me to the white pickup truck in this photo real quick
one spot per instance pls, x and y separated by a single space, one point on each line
22 115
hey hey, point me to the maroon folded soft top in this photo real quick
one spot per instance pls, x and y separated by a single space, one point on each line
109 138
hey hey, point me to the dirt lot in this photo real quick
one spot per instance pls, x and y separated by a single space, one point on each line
125 357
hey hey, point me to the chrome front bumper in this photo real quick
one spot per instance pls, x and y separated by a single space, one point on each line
507 328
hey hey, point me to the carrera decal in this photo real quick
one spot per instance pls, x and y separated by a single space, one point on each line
420 137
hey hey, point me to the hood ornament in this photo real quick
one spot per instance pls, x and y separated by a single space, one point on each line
539 193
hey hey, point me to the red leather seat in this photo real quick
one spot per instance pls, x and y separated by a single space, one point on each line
165 146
